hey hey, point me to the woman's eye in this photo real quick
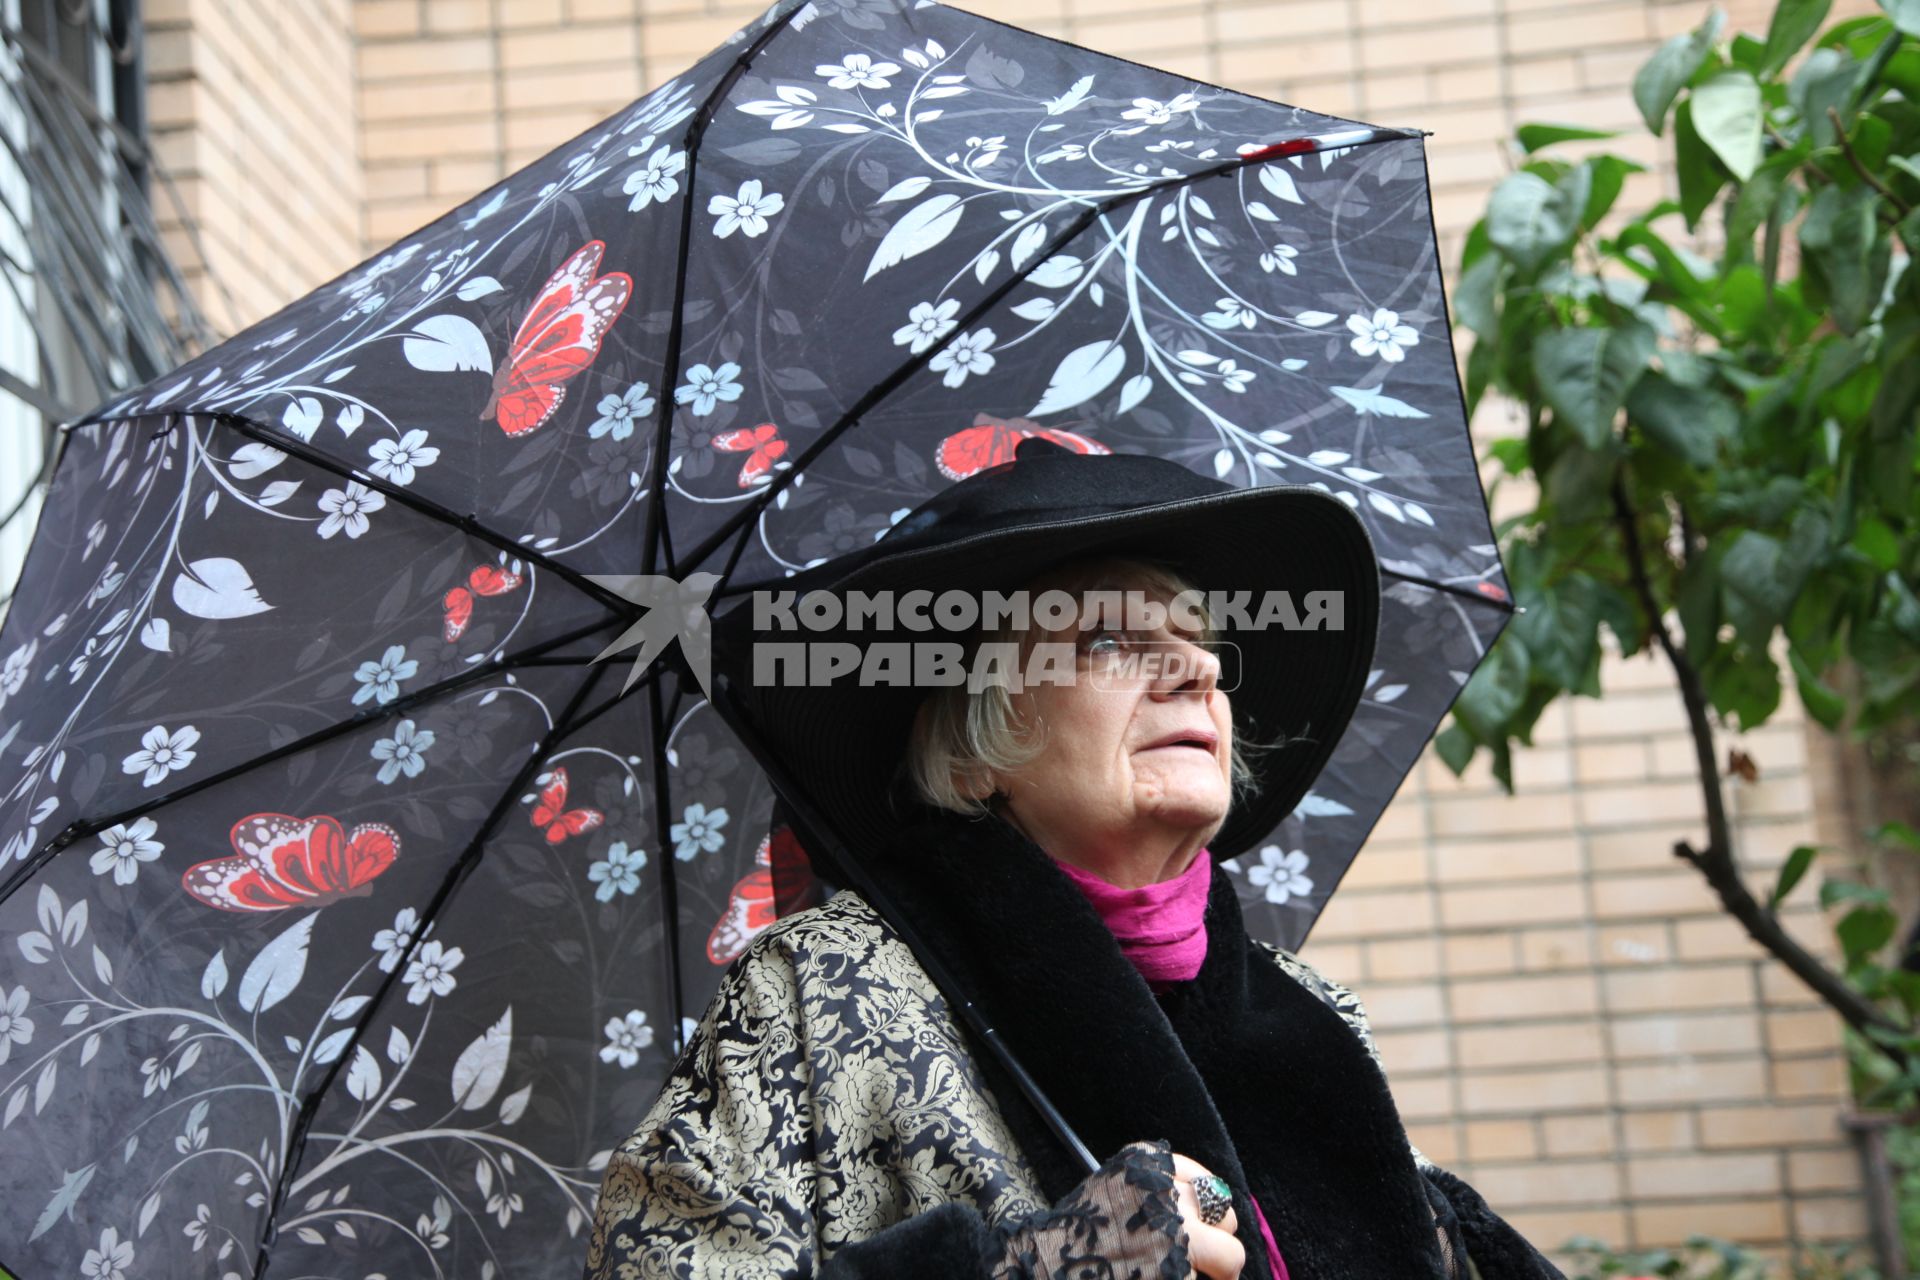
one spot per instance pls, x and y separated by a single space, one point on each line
1104 642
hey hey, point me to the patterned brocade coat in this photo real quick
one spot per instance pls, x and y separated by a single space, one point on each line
830 1117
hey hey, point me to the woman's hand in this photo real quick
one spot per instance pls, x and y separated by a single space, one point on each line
1214 1250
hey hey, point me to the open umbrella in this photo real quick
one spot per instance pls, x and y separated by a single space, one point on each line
349 909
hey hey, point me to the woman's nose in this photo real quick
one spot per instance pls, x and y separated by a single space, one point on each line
1189 668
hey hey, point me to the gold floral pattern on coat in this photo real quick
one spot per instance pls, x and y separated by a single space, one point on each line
826 1094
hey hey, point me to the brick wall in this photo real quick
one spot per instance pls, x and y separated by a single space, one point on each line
1567 1016
246 110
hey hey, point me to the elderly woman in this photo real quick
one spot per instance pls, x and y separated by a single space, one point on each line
1053 852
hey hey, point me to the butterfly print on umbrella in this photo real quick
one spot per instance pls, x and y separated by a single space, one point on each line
550 811
991 441
485 580
560 337
750 909
763 447
281 861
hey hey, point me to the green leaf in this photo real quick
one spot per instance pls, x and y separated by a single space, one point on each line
1874 540
1688 422
1905 15
1609 175
1530 220
1743 684
1476 298
1659 82
1865 930
1821 702
1700 172
1835 892
1726 114
1455 747
1904 608
1898 833
1532 137
1494 694
1824 80
1791 874
1585 374
1794 23
1749 209
1842 239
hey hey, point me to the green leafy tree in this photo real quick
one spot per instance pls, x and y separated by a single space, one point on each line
1723 442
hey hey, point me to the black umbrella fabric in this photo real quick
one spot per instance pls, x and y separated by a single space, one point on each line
350 911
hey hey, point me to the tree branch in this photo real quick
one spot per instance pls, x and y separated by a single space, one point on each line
1716 861
1866 176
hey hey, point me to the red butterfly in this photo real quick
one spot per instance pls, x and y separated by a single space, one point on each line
559 338
780 883
991 441
1490 590
487 580
763 447
551 811
281 861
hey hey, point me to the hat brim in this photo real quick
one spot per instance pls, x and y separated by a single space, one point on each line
842 742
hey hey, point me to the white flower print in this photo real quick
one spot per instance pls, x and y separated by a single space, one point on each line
200 1228
503 1205
926 324
858 69
1280 258
1227 313
430 973
123 847
654 180
747 212
1282 875
161 753
1234 376
15 1026
704 386
1154 112
111 1260
699 830
393 943
158 1077
626 1037
382 679
619 413
619 873
396 460
1383 335
347 509
13 673
405 752
964 355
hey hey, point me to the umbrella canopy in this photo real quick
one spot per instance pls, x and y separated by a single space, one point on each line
350 912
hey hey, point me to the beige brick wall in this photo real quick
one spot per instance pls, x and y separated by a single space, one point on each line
1567 1016
246 102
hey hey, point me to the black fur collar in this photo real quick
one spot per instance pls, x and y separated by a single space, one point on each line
1242 1069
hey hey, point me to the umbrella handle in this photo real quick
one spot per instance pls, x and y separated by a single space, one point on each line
858 880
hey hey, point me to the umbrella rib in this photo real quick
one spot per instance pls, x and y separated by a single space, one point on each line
1505 606
662 831
80 830
670 364
913 364
463 866
468 524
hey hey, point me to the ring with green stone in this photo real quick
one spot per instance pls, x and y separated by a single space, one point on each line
1214 1196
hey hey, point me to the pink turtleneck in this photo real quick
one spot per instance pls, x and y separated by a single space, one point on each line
1162 929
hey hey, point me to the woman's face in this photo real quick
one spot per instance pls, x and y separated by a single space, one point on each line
1137 759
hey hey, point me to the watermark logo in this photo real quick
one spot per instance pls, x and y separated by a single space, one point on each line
674 609
1111 639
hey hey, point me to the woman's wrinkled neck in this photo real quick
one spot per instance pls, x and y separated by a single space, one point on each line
1152 858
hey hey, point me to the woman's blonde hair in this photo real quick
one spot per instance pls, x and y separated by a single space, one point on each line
960 738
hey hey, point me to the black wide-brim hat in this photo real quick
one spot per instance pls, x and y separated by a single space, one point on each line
844 743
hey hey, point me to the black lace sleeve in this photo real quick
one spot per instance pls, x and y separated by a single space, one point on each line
1479 1242
1121 1222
